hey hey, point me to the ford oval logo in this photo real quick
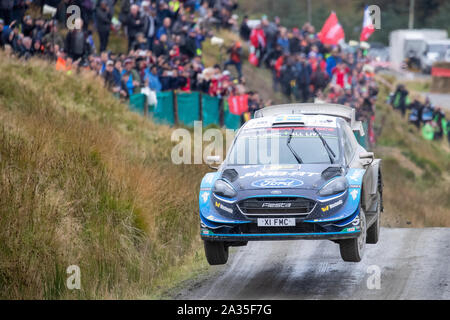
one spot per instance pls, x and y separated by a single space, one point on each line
277 183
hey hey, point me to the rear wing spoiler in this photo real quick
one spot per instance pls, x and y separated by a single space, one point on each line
335 110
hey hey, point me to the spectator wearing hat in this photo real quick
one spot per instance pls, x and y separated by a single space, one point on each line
109 78
131 80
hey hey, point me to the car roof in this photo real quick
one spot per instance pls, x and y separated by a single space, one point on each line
307 120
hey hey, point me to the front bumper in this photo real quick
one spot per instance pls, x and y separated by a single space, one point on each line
251 232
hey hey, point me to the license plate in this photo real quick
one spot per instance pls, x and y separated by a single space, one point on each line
276 222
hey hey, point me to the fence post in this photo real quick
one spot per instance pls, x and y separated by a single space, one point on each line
200 105
221 113
175 107
146 106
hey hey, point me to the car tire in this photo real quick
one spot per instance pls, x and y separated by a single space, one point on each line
352 250
216 252
373 232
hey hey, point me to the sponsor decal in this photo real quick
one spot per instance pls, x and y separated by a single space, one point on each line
205 196
355 186
258 124
206 231
276 205
332 205
354 194
277 183
335 204
275 192
209 178
288 118
348 230
224 208
356 221
356 175
269 173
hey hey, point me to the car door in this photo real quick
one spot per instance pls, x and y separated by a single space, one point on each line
352 150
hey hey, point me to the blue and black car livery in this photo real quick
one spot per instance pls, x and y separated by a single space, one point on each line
293 172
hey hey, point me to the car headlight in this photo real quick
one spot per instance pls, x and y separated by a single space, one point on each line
224 189
335 186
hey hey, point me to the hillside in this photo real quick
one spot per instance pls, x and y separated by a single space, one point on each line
85 182
415 171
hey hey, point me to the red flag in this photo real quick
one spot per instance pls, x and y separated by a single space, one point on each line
368 28
332 32
238 104
253 59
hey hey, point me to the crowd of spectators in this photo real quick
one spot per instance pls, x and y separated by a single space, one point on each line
304 69
425 116
164 40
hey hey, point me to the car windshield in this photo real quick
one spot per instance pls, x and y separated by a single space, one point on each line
439 48
270 146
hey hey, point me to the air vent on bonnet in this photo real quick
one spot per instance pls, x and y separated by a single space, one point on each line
230 174
331 172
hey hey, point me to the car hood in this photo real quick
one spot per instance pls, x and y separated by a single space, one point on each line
259 177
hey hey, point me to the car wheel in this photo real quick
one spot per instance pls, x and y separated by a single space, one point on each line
373 232
216 252
352 249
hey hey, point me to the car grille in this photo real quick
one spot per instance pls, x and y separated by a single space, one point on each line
301 227
279 206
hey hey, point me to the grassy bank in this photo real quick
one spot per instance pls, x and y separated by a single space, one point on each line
415 171
85 182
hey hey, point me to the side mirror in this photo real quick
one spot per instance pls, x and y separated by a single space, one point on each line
366 155
210 160
366 158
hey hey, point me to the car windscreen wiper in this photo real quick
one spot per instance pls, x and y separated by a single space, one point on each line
297 157
330 152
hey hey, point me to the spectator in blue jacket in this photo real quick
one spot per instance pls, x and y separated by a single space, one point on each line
153 79
332 61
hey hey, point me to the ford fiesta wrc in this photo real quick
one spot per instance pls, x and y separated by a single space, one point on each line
293 172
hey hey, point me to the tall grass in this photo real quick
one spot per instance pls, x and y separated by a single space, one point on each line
85 182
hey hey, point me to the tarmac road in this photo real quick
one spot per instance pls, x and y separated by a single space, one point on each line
413 264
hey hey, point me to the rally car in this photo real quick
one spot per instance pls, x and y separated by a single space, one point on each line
293 172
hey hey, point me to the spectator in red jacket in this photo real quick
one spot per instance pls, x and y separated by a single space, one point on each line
235 57
340 75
